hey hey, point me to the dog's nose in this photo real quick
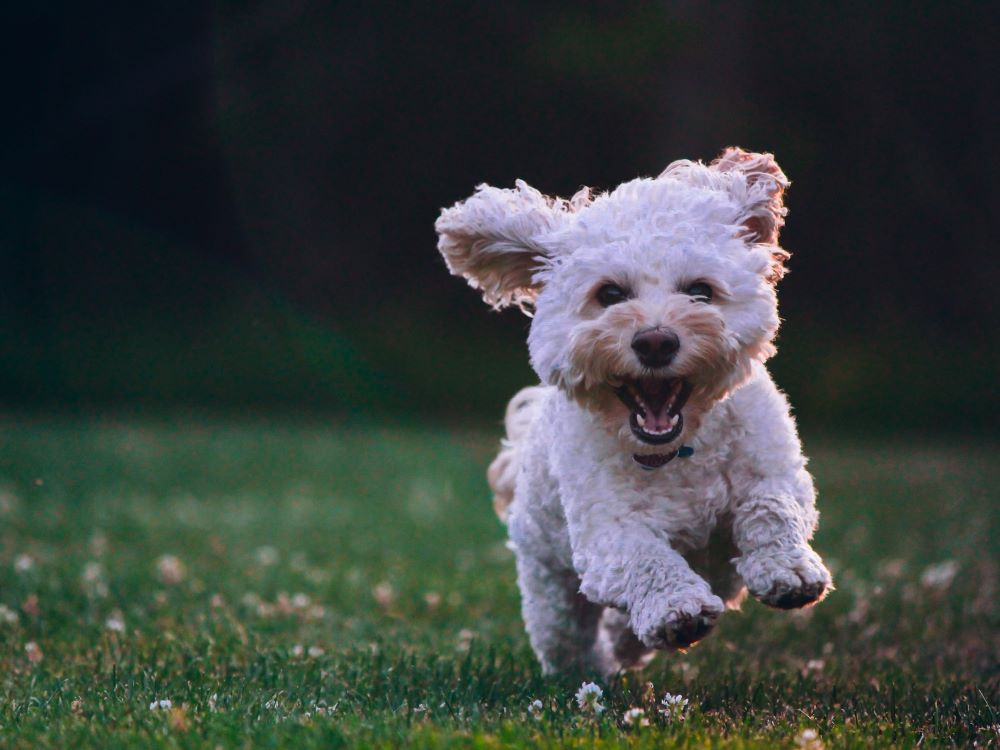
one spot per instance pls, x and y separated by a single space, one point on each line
656 347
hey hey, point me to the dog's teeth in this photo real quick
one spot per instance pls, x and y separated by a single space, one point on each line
641 420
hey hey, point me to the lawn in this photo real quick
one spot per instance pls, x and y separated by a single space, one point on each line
295 583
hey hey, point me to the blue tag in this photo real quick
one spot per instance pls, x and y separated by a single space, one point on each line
685 451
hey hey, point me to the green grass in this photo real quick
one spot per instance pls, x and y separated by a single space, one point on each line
377 549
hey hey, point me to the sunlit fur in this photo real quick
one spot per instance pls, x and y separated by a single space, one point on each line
665 551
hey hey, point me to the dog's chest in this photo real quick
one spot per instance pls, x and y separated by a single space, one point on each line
686 499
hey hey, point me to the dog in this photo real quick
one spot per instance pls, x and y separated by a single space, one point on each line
656 473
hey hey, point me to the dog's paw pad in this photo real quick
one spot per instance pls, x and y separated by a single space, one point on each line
682 630
783 597
688 630
787 578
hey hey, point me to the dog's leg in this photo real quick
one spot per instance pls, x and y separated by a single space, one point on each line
561 622
714 563
774 504
772 531
617 647
628 566
671 606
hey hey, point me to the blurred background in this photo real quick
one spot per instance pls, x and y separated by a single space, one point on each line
230 206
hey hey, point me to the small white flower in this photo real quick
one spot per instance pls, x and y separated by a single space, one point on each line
92 572
535 708
465 638
813 665
673 707
420 709
92 577
809 739
635 717
939 576
301 601
163 704
384 594
24 563
432 599
315 651
298 650
116 622
588 698
8 616
267 556
170 569
314 612
34 652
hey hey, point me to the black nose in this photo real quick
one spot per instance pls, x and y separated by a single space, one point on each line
656 347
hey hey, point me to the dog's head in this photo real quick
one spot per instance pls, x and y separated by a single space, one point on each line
650 302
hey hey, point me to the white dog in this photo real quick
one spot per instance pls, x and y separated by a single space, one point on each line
657 474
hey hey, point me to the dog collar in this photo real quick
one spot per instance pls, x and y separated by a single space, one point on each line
656 460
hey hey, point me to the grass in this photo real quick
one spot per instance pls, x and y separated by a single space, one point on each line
293 584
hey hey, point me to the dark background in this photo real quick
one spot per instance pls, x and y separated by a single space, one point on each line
231 206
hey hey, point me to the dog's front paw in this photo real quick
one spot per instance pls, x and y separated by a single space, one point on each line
785 577
677 623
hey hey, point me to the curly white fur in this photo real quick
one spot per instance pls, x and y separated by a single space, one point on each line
615 560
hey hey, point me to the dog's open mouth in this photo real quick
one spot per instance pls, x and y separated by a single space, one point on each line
655 405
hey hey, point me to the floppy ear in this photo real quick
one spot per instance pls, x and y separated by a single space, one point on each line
494 240
761 190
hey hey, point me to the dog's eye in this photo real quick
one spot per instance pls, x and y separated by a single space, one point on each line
611 294
700 290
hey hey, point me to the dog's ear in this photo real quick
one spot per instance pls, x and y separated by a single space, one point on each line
765 185
494 240
761 191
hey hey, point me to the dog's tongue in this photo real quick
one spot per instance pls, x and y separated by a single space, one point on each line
656 394
659 421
